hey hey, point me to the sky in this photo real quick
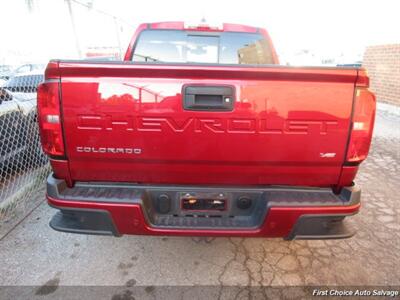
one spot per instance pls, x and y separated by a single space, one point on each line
303 31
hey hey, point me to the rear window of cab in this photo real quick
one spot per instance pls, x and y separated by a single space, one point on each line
178 46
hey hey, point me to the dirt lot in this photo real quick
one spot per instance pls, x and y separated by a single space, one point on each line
33 254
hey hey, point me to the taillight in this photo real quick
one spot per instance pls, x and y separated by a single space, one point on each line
362 125
49 118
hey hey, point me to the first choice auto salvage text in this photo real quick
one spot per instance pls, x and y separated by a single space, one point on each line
356 292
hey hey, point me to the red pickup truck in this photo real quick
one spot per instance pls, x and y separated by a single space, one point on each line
200 131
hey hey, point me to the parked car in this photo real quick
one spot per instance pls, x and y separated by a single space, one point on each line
352 65
25 83
200 132
26 68
5 68
101 58
5 71
18 117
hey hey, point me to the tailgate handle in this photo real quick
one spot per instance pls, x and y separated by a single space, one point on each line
209 98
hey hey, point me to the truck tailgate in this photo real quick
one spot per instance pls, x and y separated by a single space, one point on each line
132 122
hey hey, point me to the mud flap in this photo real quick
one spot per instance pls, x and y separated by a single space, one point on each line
319 227
84 221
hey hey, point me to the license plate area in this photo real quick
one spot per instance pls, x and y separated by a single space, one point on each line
203 202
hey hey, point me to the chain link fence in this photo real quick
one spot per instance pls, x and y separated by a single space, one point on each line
23 165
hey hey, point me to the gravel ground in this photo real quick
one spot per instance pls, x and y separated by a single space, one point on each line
138 267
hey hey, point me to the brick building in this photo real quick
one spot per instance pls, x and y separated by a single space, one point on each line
383 65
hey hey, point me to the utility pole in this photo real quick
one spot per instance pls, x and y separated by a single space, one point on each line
71 15
30 4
